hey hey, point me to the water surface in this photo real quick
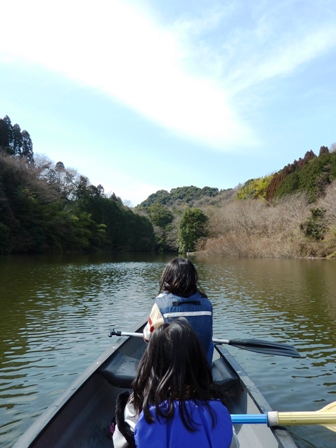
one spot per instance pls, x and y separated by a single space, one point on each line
56 313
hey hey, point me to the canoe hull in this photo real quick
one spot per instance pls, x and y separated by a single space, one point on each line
80 418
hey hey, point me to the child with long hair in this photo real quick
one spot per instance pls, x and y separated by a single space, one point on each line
180 296
174 402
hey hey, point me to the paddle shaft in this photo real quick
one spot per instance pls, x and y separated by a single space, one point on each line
254 345
125 333
140 335
274 418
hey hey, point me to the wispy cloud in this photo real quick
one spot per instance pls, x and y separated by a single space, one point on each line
182 75
245 43
114 47
297 52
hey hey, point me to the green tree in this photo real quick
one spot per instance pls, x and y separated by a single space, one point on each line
192 228
315 227
27 146
17 140
10 134
160 216
162 219
4 138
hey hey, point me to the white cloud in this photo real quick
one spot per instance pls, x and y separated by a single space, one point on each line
245 43
283 57
112 46
184 75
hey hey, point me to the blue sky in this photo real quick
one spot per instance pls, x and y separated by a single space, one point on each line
146 95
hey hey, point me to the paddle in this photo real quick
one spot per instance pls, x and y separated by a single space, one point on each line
325 417
260 346
254 345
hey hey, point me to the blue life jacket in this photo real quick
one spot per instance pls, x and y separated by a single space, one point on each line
173 433
196 309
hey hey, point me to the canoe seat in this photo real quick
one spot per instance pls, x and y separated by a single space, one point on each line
120 370
223 374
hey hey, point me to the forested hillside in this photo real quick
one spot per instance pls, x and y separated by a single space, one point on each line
179 196
311 175
291 213
45 207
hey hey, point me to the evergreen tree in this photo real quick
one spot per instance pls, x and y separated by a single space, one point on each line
160 216
323 150
17 140
6 135
4 142
192 228
10 134
27 147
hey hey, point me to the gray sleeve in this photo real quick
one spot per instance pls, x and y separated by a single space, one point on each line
235 442
131 418
119 440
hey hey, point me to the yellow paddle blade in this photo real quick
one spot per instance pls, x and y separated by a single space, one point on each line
331 408
325 417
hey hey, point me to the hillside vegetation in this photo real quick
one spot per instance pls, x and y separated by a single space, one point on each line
47 207
291 213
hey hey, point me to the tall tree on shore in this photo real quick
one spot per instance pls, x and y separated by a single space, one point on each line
17 140
10 134
6 134
192 228
4 143
27 146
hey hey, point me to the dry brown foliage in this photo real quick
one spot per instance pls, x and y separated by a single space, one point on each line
253 228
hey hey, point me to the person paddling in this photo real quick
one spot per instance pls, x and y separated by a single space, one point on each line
174 402
179 296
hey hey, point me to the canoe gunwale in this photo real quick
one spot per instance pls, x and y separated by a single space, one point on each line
281 434
50 413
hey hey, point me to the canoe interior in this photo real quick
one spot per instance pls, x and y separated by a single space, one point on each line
81 417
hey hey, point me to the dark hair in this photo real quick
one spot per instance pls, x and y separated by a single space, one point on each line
174 367
180 277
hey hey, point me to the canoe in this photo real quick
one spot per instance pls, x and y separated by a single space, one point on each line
81 416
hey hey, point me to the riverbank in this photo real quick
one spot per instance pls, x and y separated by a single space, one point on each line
244 246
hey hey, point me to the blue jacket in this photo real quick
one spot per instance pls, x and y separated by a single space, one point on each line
173 433
196 309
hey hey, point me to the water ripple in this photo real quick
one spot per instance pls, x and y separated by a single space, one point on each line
56 314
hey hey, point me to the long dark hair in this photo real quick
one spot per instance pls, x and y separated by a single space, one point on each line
180 278
174 367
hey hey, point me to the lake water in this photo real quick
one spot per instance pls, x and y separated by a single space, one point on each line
56 312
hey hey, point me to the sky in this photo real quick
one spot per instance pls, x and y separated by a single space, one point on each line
144 95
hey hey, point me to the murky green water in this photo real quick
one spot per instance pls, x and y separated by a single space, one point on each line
56 313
